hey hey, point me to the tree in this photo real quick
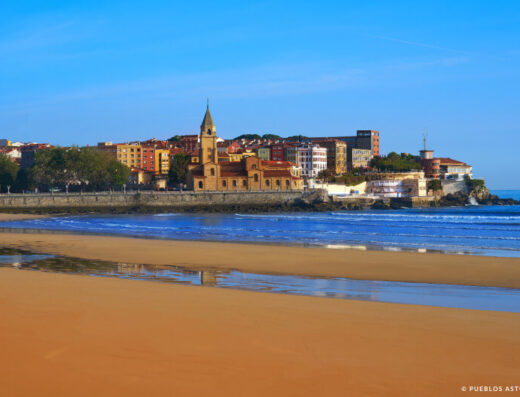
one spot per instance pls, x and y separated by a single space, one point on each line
298 138
474 183
8 171
178 167
396 162
324 175
435 185
271 136
175 138
248 136
118 172
52 167
91 168
23 180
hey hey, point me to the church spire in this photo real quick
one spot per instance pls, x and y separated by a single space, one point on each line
207 122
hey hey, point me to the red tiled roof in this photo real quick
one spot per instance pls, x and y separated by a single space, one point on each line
447 161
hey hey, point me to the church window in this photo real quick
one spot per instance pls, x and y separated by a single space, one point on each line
267 183
278 182
244 182
287 183
209 132
212 171
200 185
256 177
235 183
224 184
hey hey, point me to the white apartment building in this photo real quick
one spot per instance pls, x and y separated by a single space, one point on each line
312 159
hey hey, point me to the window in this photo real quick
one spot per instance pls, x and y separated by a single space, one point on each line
287 183
212 171
234 183
224 184
209 132
200 185
244 183
267 183
254 166
256 177
278 182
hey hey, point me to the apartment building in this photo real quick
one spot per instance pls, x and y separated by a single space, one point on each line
358 158
336 154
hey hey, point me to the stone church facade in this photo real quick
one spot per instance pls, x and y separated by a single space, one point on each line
251 173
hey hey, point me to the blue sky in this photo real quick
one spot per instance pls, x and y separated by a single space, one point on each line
82 72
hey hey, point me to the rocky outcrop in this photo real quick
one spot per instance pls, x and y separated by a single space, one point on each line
480 193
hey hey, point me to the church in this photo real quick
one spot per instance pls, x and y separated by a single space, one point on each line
251 173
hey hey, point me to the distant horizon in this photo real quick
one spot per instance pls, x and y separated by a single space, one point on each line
84 72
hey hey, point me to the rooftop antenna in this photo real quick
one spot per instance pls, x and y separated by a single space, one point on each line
424 138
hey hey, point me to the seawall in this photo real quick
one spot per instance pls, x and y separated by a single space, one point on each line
171 200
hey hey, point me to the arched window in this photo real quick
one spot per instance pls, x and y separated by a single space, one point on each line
287 183
224 184
244 182
212 171
234 183
267 183
200 185
278 182
209 132
256 177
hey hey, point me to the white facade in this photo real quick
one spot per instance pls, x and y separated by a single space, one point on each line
398 185
312 159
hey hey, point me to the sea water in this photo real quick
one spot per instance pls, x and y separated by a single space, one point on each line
479 230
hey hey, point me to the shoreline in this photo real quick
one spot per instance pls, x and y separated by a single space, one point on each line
278 259
6 217
73 335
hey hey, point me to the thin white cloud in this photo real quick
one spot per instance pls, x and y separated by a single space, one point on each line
264 81
417 44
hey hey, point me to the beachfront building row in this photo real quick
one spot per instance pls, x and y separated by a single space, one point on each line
250 173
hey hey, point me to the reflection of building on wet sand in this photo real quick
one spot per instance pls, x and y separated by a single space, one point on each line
208 278
127 268
346 289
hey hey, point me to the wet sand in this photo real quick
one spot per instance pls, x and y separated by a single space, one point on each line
67 335
19 217
261 258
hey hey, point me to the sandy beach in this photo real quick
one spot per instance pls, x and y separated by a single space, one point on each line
259 258
66 335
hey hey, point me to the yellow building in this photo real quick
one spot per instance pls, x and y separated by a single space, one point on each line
250 173
129 154
162 161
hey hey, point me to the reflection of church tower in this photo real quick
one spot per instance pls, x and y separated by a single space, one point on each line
208 140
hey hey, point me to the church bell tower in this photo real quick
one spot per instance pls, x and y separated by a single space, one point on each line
208 140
